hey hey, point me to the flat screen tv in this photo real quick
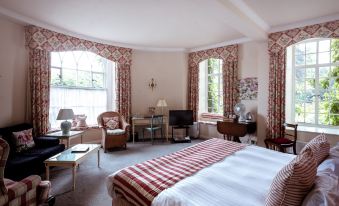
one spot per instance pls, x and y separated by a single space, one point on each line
180 117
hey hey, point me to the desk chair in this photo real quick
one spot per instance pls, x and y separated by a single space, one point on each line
156 124
281 143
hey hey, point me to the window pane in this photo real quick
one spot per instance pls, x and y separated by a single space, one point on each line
310 73
55 59
69 77
69 61
98 80
324 58
311 47
324 45
334 107
334 120
323 106
310 118
310 107
311 59
55 77
300 60
323 119
84 63
300 86
324 71
335 71
300 49
84 79
300 74
300 117
324 83
310 84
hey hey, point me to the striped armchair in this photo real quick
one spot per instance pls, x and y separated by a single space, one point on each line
30 191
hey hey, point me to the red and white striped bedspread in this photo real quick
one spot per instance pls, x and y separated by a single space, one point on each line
141 183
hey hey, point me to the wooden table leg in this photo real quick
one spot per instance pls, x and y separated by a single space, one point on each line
68 142
133 128
81 139
47 172
74 176
99 158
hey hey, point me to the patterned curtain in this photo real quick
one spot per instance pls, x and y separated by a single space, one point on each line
277 44
43 41
39 61
123 89
230 80
229 55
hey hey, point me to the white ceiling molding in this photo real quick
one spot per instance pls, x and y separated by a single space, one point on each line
250 13
24 20
226 43
304 23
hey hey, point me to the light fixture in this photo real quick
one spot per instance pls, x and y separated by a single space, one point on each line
152 84
162 103
65 114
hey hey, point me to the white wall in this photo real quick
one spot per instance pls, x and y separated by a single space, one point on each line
13 73
169 70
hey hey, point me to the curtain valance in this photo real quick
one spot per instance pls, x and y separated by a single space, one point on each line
44 39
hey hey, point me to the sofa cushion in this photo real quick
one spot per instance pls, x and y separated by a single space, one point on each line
115 131
7 133
111 123
43 153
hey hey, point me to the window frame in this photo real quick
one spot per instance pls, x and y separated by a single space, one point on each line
219 76
317 88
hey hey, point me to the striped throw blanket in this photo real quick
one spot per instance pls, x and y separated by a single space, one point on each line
141 183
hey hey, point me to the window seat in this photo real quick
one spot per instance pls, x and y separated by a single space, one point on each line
314 129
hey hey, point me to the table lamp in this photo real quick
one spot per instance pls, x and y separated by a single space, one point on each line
162 103
65 114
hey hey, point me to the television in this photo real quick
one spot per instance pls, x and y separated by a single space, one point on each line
180 117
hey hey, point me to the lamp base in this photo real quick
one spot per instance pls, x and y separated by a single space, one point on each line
65 127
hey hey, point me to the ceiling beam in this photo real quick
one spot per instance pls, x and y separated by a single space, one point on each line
242 18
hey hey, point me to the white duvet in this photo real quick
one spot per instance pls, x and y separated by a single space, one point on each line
243 178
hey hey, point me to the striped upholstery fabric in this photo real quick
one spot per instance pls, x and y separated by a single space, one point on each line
25 192
4 151
319 146
293 182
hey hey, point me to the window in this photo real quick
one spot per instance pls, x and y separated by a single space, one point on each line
82 81
312 83
210 86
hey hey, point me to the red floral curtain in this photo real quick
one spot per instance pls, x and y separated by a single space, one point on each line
229 55
277 44
39 71
44 40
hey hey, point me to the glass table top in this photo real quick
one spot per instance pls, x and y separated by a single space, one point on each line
70 156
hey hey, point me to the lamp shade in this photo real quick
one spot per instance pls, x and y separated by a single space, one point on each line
162 103
65 114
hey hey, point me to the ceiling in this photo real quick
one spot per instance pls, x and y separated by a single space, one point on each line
170 24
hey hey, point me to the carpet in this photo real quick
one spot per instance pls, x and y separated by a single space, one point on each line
91 181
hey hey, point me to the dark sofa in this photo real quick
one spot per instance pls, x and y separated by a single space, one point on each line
21 165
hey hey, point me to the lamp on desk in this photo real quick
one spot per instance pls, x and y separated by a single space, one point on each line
162 103
65 114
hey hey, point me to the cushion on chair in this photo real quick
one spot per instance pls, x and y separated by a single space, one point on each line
281 140
293 181
115 131
319 146
111 122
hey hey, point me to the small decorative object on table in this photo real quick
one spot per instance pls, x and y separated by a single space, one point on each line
65 114
80 148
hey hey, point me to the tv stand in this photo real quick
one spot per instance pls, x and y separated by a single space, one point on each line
186 139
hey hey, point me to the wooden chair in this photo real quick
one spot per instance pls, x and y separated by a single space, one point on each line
156 124
113 138
281 143
231 130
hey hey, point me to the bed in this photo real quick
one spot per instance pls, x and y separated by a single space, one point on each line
243 177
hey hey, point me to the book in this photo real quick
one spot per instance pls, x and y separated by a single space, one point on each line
80 148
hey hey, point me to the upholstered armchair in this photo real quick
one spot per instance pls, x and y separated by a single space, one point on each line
29 191
113 134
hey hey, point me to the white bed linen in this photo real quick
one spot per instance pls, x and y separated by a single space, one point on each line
243 178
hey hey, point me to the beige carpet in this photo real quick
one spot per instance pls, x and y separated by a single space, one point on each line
91 184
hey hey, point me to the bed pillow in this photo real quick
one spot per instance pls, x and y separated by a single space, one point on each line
319 146
111 122
23 140
293 181
325 190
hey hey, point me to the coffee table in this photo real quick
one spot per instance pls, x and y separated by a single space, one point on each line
70 135
71 159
